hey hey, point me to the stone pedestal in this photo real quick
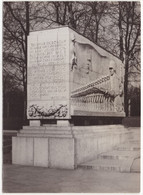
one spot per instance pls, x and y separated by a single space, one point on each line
49 146
64 146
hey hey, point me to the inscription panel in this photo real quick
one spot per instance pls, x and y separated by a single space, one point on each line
47 52
48 74
34 92
52 91
53 73
48 91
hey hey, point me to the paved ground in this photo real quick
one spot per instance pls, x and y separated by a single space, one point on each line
22 179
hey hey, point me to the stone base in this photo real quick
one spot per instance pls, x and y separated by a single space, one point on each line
64 146
43 152
63 123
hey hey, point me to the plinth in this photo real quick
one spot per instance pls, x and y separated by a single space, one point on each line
64 146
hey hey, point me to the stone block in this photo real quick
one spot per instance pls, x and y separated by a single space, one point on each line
63 123
61 153
86 148
35 123
41 152
55 94
22 150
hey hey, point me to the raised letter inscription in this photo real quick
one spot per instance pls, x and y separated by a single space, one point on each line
47 53
48 74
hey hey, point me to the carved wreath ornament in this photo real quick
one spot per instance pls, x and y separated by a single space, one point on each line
56 111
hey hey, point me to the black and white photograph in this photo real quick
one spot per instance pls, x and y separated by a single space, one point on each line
71 97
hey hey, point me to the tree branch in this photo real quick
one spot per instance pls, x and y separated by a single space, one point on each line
11 11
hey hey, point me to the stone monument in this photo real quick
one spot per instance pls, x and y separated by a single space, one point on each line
68 76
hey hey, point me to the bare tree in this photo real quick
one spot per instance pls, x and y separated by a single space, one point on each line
16 30
114 26
98 12
129 27
122 38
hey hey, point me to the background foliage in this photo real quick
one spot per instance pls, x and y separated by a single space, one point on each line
115 26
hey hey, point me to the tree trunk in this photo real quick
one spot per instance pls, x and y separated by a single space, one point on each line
72 20
97 30
121 34
126 85
26 61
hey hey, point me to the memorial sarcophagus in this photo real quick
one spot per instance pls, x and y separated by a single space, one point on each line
68 75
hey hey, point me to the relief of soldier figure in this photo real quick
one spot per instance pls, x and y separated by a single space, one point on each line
87 63
115 89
